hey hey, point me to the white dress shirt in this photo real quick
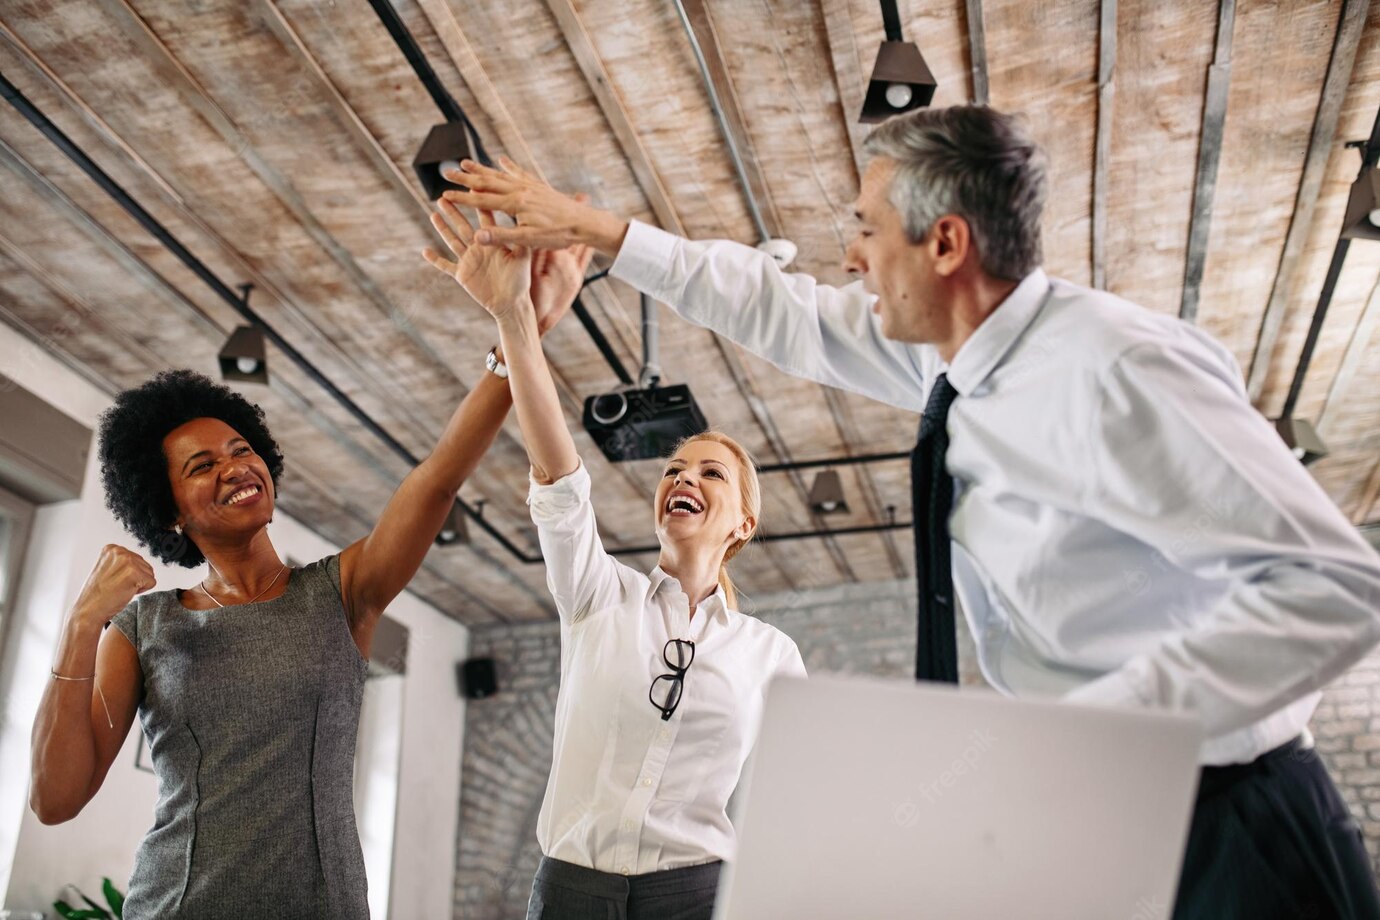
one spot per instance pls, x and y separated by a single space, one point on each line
628 792
1127 529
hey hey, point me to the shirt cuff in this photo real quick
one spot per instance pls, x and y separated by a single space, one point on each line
552 504
644 260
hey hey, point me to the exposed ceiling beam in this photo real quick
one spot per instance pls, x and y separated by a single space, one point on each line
1209 155
708 39
365 141
1102 149
462 55
1338 395
1368 497
977 50
616 114
843 52
1350 24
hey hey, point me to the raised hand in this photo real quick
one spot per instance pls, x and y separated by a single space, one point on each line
546 218
499 277
119 574
557 277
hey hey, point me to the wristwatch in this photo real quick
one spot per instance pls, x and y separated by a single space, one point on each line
495 366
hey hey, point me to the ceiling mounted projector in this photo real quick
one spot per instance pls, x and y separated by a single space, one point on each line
642 424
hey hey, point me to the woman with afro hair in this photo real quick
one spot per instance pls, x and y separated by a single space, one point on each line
248 683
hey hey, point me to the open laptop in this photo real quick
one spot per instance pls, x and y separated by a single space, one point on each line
870 800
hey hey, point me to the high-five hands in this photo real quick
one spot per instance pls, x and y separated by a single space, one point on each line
546 219
499 277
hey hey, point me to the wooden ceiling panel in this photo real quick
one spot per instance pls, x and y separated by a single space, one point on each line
1163 52
1057 92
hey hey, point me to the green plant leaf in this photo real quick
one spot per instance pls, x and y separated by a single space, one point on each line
113 898
71 913
97 912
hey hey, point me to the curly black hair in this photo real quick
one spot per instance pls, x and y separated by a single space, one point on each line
134 468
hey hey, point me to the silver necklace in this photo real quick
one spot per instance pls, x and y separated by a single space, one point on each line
202 585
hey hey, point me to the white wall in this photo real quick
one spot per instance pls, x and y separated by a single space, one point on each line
36 861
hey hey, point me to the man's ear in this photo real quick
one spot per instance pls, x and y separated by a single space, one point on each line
950 242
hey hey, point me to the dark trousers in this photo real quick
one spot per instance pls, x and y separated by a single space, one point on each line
1273 840
563 891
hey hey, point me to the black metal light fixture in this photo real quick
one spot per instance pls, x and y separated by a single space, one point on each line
243 358
445 146
901 80
826 493
1362 220
454 530
1302 439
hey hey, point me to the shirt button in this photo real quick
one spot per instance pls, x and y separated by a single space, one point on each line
647 781
665 733
628 825
624 870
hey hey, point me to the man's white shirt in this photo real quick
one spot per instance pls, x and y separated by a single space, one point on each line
628 792
1127 530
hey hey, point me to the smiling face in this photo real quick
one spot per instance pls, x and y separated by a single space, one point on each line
221 487
699 501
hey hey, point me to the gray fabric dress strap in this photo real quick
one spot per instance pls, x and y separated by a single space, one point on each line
250 713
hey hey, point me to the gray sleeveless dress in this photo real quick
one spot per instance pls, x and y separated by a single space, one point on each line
251 714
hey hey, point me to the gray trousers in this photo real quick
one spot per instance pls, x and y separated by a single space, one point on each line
563 891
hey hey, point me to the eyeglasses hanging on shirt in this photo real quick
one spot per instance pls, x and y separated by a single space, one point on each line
666 689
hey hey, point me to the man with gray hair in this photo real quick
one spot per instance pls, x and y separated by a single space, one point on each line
1091 483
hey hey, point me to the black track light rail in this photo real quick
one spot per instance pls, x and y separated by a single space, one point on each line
891 21
1370 156
407 44
832 461
600 340
781 537
239 302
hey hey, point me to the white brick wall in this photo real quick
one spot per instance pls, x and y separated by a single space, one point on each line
858 629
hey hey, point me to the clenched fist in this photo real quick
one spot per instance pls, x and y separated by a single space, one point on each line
117 577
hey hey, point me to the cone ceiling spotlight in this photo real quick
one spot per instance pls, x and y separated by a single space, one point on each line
445 146
1302 439
454 529
1362 221
901 80
826 494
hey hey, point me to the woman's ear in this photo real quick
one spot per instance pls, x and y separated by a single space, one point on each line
745 529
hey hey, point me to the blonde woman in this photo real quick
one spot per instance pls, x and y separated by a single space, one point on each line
662 679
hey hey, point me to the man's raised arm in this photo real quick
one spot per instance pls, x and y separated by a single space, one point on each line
811 330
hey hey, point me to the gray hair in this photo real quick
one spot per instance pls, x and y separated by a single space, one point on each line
977 163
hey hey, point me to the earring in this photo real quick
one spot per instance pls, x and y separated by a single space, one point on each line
177 529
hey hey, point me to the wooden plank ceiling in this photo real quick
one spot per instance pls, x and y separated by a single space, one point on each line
273 138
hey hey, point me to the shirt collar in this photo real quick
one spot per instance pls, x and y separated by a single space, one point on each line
991 341
715 605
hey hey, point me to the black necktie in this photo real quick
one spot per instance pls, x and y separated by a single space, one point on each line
932 496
